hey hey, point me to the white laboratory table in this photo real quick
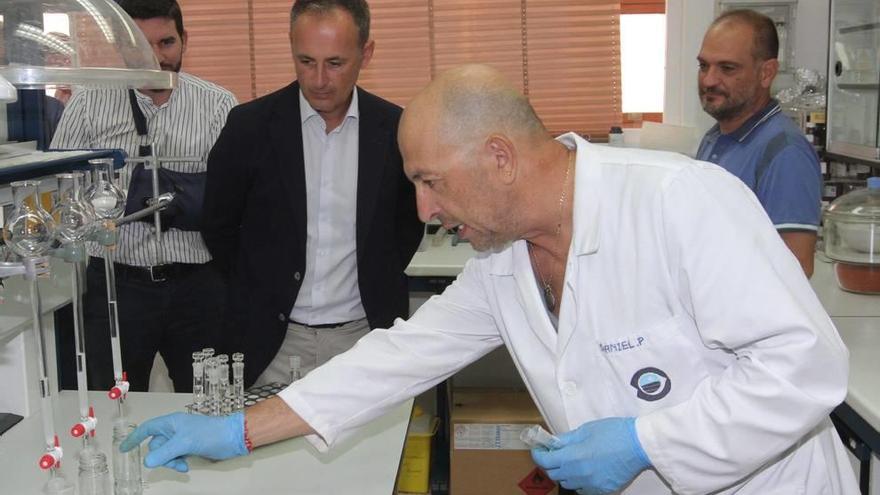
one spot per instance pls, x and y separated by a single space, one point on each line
857 318
364 465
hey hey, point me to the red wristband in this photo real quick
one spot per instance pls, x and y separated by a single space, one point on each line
247 438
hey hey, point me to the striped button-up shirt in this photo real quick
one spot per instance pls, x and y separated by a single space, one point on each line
186 125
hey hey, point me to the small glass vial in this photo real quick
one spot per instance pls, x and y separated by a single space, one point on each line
94 475
127 475
295 368
238 381
223 389
212 381
198 382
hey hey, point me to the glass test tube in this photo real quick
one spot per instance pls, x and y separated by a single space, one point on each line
223 387
238 380
213 380
295 368
198 382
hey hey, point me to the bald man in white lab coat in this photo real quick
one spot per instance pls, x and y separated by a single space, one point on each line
666 333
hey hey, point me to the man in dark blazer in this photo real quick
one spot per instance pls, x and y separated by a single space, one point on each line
307 209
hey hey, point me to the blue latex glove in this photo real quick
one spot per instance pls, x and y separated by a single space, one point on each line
596 458
178 435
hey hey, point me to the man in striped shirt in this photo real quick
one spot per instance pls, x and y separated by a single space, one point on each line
168 300
753 139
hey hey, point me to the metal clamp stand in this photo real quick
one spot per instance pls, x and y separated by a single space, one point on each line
107 236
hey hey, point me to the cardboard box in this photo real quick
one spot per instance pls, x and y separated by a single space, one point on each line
486 455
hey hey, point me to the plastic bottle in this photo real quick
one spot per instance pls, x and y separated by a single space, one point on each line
127 474
94 475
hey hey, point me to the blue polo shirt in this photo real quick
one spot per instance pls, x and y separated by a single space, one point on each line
771 155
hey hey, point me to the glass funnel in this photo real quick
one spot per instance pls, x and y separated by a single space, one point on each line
74 218
82 42
105 197
29 229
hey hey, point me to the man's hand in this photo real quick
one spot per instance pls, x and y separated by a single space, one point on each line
178 435
598 457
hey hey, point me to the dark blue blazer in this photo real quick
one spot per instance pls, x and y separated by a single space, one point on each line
254 219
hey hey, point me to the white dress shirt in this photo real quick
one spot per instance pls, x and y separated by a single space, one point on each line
329 291
674 274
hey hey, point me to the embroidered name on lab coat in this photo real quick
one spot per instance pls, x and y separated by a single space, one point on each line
622 345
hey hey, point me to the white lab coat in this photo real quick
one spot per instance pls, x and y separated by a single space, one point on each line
676 277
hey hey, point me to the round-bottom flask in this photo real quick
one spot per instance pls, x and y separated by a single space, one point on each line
126 465
94 475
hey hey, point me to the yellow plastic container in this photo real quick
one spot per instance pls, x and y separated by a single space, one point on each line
415 467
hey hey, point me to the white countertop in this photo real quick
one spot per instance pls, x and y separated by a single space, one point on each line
857 318
838 302
445 260
365 465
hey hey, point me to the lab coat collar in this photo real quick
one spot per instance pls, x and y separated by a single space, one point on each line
587 194
585 218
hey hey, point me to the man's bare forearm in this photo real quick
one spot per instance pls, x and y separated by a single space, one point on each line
273 420
803 245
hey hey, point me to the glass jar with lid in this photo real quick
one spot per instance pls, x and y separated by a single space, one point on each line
852 238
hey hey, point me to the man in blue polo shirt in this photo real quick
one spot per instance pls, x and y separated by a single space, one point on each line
753 139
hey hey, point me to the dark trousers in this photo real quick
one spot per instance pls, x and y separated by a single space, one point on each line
175 318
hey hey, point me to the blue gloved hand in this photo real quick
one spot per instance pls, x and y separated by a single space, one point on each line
178 435
596 458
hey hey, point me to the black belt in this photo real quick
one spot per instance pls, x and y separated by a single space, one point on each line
151 274
323 326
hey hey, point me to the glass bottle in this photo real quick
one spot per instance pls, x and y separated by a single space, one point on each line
94 475
127 473
74 218
29 229
106 197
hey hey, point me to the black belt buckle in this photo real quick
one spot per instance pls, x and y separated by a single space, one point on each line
159 273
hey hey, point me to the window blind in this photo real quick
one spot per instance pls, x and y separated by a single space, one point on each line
642 6
218 45
563 54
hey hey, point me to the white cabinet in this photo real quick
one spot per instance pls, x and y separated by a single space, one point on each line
853 84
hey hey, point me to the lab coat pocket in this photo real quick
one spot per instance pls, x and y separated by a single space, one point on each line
655 367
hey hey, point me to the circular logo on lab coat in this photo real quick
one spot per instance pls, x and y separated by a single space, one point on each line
651 384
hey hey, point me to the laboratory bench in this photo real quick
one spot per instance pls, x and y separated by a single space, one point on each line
365 464
857 318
